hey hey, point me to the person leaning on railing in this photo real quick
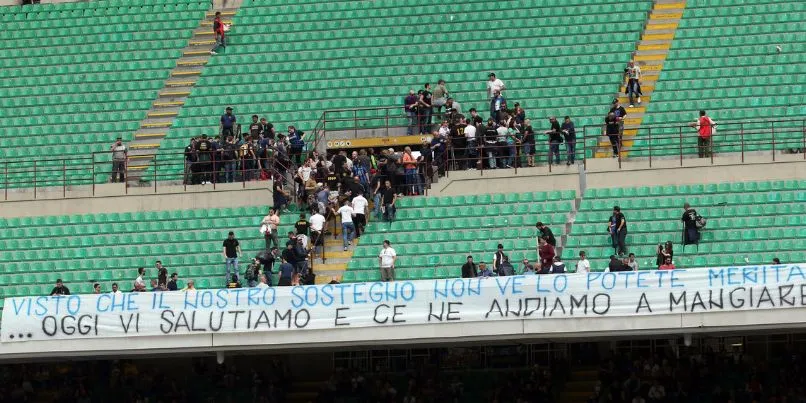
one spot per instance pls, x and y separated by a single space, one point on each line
119 155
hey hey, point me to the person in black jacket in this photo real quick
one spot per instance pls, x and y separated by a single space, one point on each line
691 234
545 232
555 139
469 269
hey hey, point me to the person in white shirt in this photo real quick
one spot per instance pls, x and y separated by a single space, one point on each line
115 289
119 154
583 265
360 205
317 222
493 85
139 282
347 226
386 260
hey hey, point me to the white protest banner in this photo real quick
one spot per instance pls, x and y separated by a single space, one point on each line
402 303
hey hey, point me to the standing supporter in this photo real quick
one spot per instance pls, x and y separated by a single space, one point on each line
471 145
633 87
691 233
494 85
218 31
119 154
227 123
271 223
347 226
361 208
570 134
583 265
611 129
498 258
410 170
664 251
501 143
317 226
252 273
490 148
231 249
286 272
617 227
545 232
60 288
519 114
546 253
497 106
410 106
424 109
279 195
441 95
249 159
528 147
620 114
469 269
229 153
204 160
190 162
140 282
459 143
452 109
297 144
386 261
555 139
266 130
389 198
162 273
705 130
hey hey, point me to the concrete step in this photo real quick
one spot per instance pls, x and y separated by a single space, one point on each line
224 13
144 146
655 22
659 5
337 267
202 42
652 52
185 72
209 23
164 113
152 125
665 45
149 136
167 104
195 51
192 61
660 42
659 27
657 36
175 93
625 99
666 15
183 83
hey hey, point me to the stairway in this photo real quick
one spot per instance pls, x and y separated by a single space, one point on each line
580 386
172 97
650 54
336 259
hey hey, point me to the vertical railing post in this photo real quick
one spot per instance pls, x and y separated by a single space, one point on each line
680 132
214 174
93 174
649 131
803 133
584 147
154 163
243 174
741 139
64 178
387 122
772 129
711 145
34 179
355 123
6 187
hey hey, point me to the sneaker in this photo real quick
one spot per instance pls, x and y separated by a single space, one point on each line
632 106
213 52
345 249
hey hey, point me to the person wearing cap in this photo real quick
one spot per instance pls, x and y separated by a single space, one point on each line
228 121
555 139
469 269
119 154
494 85
410 106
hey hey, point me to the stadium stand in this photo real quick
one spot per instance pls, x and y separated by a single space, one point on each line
74 87
107 248
433 236
754 53
335 56
747 222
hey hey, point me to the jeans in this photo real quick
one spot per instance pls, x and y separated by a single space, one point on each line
425 120
231 262
229 171
220 41
412 115
619 239
571 149
376 205
554 150
389 213
513 151
271 238
411 181
118 169
703 147
347 233
632 90
491 158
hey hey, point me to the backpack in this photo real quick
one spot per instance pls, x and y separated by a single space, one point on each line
700 221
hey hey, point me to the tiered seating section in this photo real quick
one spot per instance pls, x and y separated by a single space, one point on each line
724 60
748 222
433 236
77 75
107 248
338 55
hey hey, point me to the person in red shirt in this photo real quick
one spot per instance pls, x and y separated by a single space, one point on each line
546 252
218 31
667 264
705 130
